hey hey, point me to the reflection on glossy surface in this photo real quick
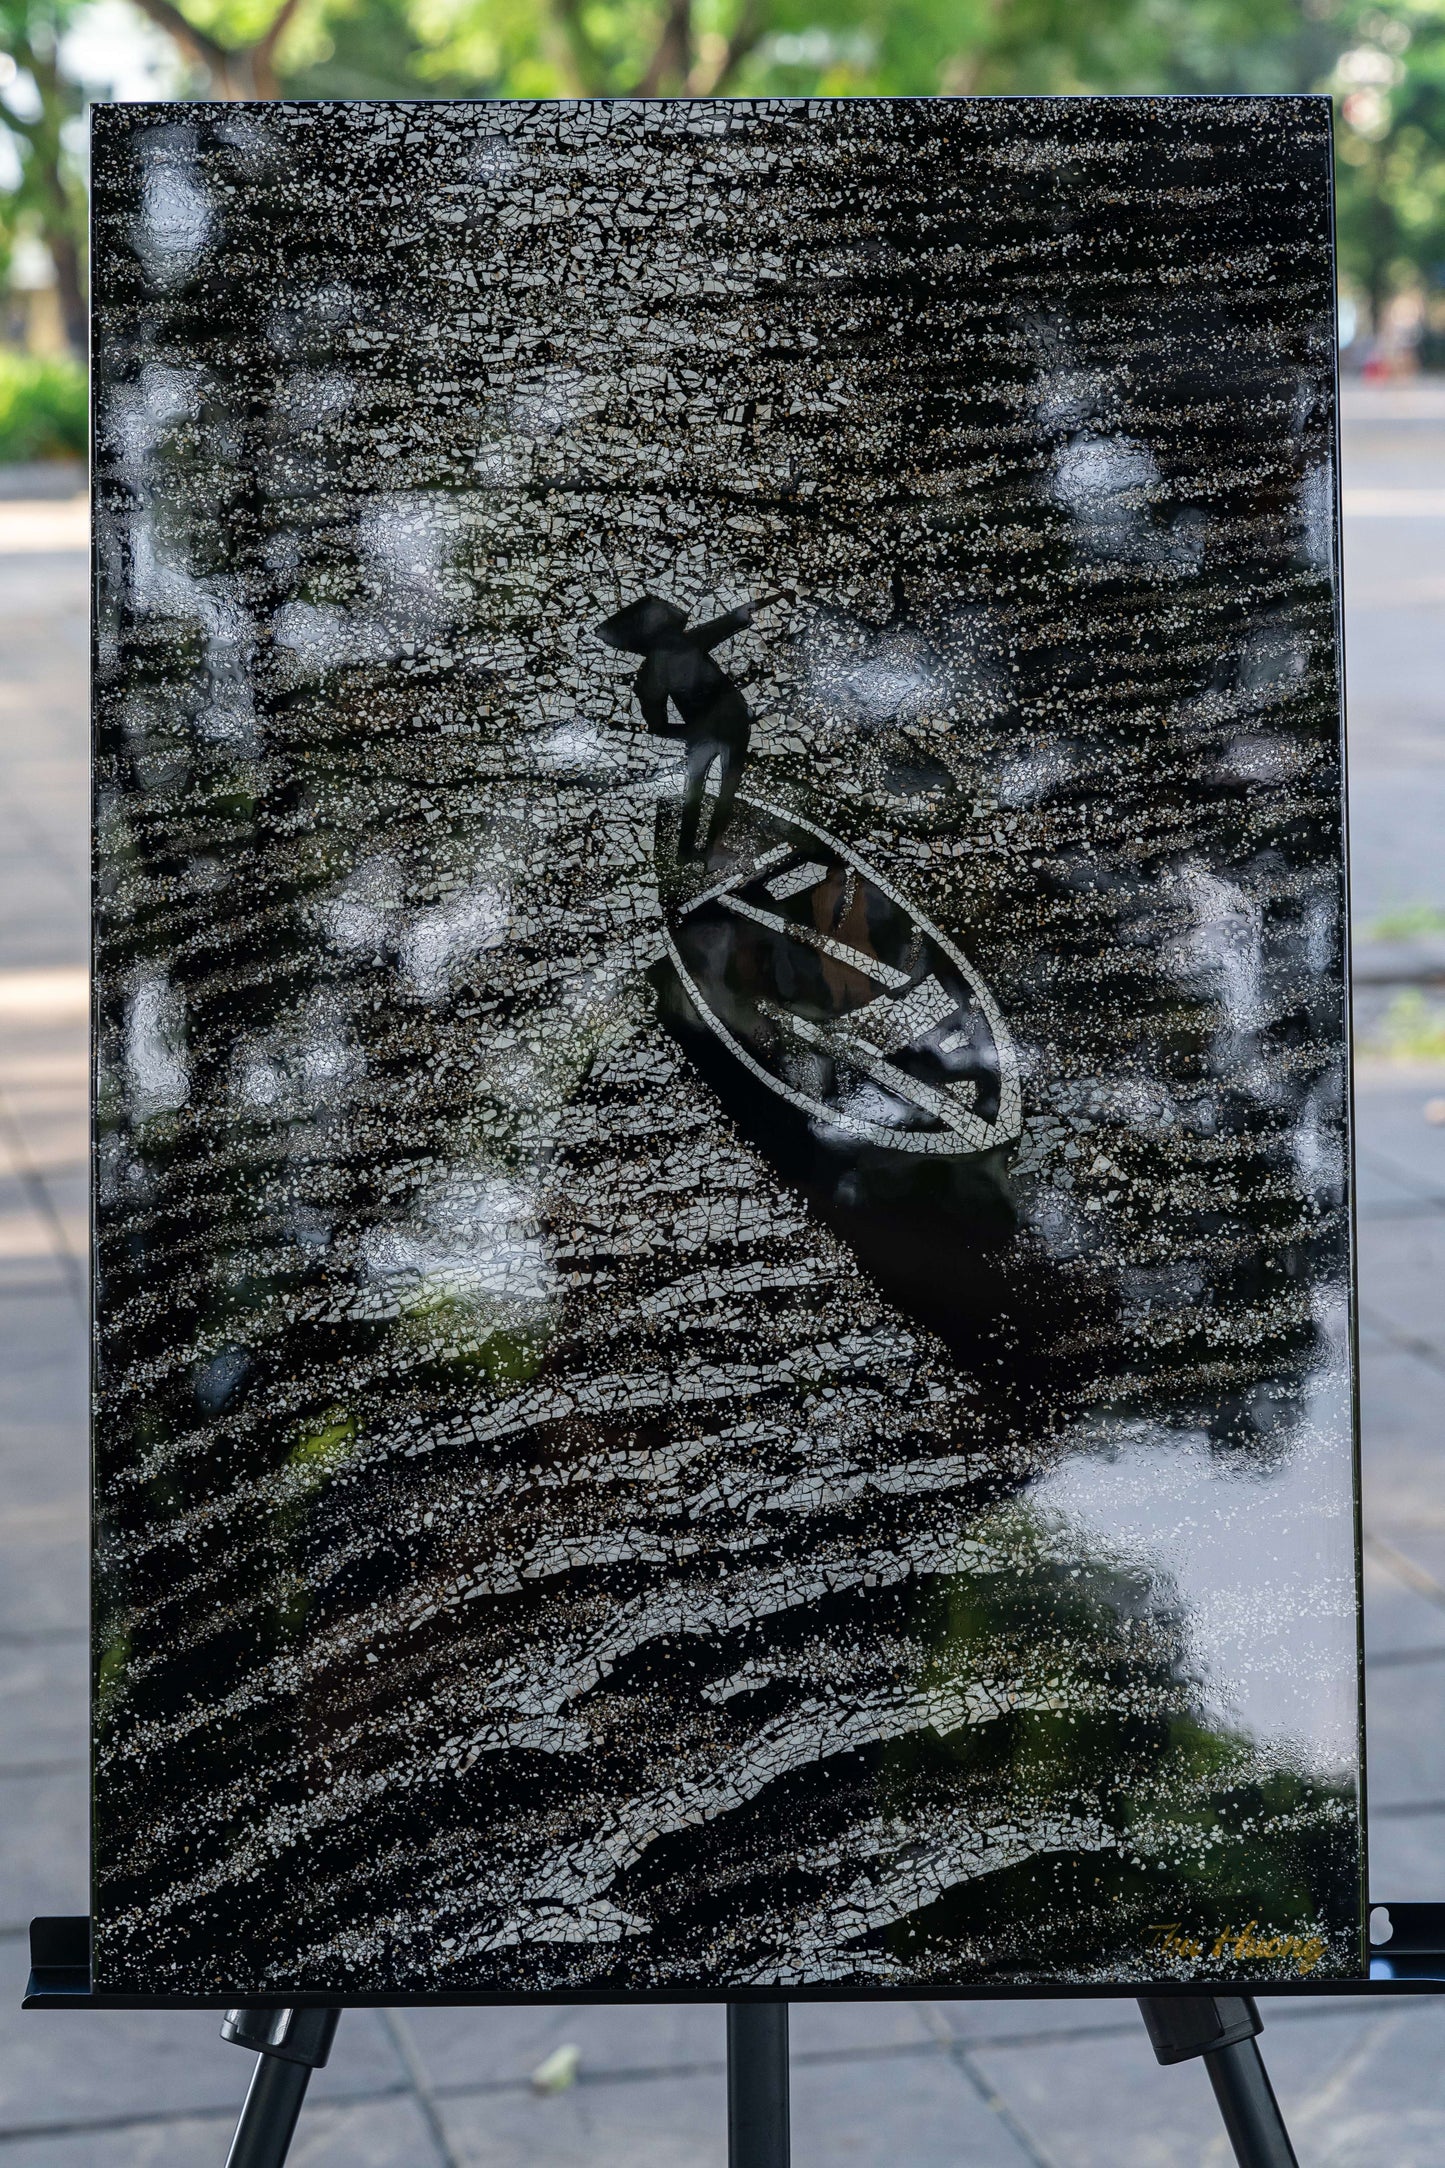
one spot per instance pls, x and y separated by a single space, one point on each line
723 1277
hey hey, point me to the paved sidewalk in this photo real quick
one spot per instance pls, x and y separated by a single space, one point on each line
1050 2085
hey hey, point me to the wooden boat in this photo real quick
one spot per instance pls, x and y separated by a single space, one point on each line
863 1055
834 992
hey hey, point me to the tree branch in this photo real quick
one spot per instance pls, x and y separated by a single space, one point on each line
671 60
206 51
713 71
588 70
263 53
32 130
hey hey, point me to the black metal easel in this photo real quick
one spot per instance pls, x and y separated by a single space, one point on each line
289 2045
1407 1954
1224 2029
759 2132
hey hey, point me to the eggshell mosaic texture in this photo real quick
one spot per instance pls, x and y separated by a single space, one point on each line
722 1337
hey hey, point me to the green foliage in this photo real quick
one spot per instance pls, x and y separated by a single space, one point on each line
391 49
38 105
42 408
804 47
1409 922
1389 81
1412 1029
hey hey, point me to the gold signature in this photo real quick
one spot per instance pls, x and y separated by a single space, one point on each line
1243 1944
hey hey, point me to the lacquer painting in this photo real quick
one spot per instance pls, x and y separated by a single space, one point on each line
723 1321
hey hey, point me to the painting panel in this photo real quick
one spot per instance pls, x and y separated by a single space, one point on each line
722 1343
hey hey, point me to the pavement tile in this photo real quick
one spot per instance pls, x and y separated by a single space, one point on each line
1387 1197
1394 860
46 831
1104 2102
1399 1620
841 2028
1412 1549
44 1845
43 1587
1364 2088
44 1703
673 2122
71 2066
31 1260
1374 1337
67 1191
43 1363
1037 2017
1395 1142
43 1070
1402 1439
867 2087
1108 2104
48 588
1402 1271
504 2046
1407 1755
49 1112
916 2108
1394 1182
40 908
31 1257
1407 1858
31 942
1383 1197
44 1464
380 2134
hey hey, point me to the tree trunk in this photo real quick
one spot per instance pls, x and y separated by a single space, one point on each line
60 207
1380 249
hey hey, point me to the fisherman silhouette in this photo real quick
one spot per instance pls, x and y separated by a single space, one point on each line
715 721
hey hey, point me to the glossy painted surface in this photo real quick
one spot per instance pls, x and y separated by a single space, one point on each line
723 1284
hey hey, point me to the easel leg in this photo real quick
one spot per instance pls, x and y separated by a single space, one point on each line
758 2130
289 2045
1224 2029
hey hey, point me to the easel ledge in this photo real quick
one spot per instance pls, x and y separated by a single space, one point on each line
1407 1956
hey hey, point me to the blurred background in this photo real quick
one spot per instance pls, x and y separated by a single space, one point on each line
1015 2085
1383 63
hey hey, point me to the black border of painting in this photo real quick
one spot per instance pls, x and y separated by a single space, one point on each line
1347 966
60 1977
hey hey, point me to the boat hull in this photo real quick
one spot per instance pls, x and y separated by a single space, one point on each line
862 1054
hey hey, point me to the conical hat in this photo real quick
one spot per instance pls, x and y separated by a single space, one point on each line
637 628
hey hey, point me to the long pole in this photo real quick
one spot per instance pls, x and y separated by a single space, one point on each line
758 2130
268 2120
1247 2103
1224 2030
288 2046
